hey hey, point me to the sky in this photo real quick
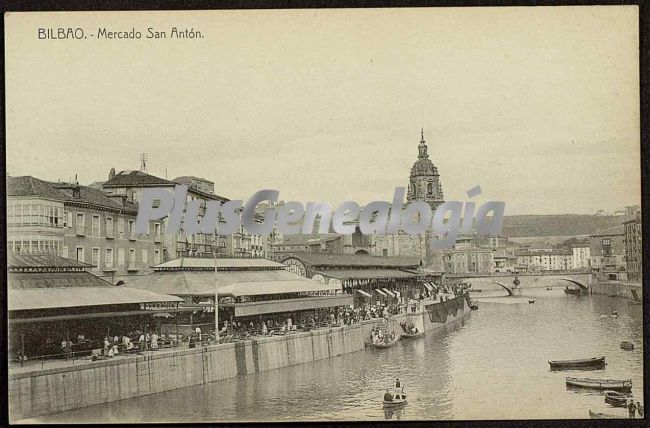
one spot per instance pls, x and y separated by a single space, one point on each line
538 105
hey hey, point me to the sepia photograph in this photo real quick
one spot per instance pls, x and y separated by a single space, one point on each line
324 215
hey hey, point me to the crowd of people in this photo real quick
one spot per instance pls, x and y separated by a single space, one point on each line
380 335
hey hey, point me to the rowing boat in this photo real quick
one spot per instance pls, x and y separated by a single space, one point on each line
608 384
412 335
599 415
398 399
383 345
616 398
627 346
587 363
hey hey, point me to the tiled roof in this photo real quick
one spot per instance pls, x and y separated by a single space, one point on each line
184 178
29 186
19 261
136 178
91 195
357 260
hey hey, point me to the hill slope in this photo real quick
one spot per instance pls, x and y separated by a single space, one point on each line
557 225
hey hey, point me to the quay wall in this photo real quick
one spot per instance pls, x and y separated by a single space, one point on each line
617 289
45 391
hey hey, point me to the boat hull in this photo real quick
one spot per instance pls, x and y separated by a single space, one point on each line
600 384
384 345
412 335
616 399
599 415
586 364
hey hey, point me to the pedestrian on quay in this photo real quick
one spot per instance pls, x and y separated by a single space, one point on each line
198 332
154 341
632 409
107 345
639 408
264 328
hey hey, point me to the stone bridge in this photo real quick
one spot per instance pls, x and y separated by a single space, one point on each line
514 281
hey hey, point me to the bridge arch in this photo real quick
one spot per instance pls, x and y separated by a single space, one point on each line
508 289
573 281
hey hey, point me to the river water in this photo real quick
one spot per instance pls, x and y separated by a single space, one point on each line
492 365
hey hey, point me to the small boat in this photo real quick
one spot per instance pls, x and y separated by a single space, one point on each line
572 291
398 399
605 384
412 335
615 398
586 363
384 345
531 300
628 346
599 415
549 288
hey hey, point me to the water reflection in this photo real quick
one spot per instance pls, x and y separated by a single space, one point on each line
494 365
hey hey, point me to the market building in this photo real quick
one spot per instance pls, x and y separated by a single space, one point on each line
387 280
249 291
59 310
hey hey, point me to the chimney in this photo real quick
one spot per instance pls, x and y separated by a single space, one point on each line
111 174
76 191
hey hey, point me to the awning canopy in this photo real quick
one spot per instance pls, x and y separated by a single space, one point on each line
428 286
231 283
380 292
366 273
390 293
70 297
363 293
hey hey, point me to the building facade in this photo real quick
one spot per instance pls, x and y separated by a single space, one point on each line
633 247
545 259
81 223
607 249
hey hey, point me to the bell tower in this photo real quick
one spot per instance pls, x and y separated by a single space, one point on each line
424 181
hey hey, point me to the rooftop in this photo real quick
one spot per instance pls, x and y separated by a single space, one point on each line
136 178
16 261
192 263
357 260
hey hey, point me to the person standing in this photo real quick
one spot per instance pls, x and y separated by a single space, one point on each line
639 408
198 332
632 409
154 341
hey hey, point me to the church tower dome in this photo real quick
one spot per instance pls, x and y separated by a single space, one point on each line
424 181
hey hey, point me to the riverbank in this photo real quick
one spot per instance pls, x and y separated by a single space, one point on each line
625 290
52 390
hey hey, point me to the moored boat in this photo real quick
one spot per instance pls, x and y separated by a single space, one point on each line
600 415
397 399
627 346
531 300
549 288
604 384
412 335
581 364
572 291
383 345
615 398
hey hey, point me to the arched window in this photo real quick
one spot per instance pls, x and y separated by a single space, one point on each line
430 188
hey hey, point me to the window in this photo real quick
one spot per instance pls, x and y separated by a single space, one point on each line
120 256
120 227
109 258
430 188
95 258
66 222
95 226
131 257
80 224
385 252
145 257
69 219
156 257
80 254
109 227
65 251
156 229
131 228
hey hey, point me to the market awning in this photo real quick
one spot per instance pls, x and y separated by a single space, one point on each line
363 293
290 305
70 297
380 292
428 286
390 293
366 273
231 283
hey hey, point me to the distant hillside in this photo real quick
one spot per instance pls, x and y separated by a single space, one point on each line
557 225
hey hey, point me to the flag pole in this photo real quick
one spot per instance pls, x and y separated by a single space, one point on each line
216 291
